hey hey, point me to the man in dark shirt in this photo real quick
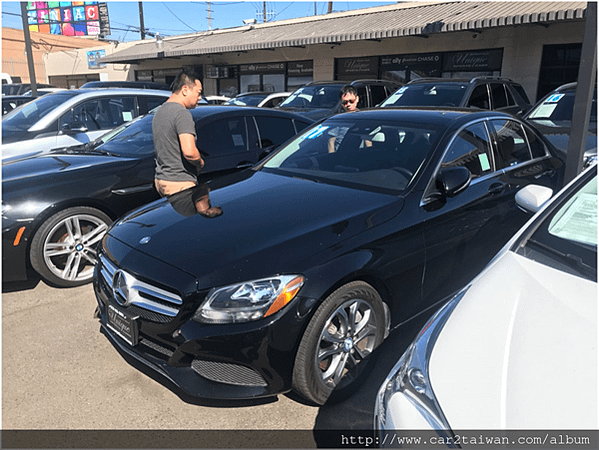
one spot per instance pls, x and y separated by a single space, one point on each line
177 158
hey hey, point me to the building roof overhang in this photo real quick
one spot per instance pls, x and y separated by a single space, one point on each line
402 19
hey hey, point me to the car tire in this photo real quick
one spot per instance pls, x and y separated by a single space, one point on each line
63 250
333 355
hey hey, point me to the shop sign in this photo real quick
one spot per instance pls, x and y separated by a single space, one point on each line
300 68
93 58
421 61
357 67
262 68
473 60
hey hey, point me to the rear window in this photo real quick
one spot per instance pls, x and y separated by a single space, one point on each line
429 94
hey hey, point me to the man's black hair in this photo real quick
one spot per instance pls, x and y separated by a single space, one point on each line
348 89
185 77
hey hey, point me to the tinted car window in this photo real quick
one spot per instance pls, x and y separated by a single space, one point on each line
427 94
374 156
274 130
537 147
147 104
498 96
25 117
471 149
363 94
511 142
479 97
134 140
223 137
377 94
520 90
314 97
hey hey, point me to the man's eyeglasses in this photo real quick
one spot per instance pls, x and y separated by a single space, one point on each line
347 102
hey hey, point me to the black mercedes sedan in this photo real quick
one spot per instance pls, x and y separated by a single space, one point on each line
288 275
57 205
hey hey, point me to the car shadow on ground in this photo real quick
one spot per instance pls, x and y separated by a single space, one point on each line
16 286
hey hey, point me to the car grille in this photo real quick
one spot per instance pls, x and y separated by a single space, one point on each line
227 373
149 302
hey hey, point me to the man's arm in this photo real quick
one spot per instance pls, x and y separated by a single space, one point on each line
190 151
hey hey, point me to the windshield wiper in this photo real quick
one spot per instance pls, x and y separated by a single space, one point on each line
573 261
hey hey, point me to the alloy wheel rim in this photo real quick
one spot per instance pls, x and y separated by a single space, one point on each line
69 249
348 336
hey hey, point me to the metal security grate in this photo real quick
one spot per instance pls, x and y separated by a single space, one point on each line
161 305
227 373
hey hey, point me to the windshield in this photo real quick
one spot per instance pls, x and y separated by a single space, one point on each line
314 97
567 238
364 154
132 139
25 117
558 109
427 94
246 100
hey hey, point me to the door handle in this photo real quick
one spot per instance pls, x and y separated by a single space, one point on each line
496 188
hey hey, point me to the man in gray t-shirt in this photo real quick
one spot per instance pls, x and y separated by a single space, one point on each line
177 158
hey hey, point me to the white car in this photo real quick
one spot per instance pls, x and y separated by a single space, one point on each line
72 117
516 349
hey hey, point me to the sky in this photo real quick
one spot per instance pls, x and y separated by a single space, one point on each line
171 18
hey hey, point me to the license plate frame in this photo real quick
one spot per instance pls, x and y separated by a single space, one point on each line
123 325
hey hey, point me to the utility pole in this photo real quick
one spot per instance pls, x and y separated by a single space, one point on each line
141 21
263 12
28 50
209 16
330 8
583 99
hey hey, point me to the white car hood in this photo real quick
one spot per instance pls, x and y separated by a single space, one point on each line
520 351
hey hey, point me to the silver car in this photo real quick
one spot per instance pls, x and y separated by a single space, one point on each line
71 117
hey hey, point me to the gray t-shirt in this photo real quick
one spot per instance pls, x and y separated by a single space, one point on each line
170 120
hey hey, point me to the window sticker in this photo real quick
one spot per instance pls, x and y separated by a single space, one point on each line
554 98
579 222
127 116
237 140
317 132
484 162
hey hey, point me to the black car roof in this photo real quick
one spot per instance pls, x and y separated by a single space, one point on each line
212 110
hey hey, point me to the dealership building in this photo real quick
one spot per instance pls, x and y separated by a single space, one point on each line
537 44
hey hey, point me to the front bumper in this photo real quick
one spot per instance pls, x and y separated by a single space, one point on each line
232 361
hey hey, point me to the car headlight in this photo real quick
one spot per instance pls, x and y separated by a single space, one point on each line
248 301
410 375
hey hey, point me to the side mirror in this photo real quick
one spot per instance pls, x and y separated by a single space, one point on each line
453 180
75 127
532 197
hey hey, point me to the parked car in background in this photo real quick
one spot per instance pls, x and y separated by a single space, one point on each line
57 205
21 88
320 99
10 102
43 91
353 227
247 99
552 116
498 94
126 84
273 100
216 99
497 354
72 117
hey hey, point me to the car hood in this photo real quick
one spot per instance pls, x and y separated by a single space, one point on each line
269 225
32 166
519 351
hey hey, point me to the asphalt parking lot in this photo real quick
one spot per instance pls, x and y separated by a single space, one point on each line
60 373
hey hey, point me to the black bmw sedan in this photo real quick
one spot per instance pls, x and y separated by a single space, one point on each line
57 205
288 275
